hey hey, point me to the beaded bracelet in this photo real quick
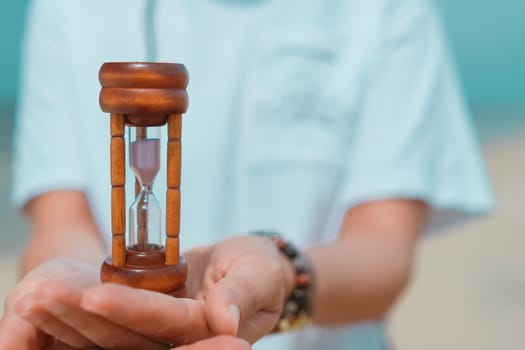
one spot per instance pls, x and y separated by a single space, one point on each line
297 308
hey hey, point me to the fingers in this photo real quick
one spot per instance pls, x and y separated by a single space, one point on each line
65 271
18 334
178 321
31 308
260 324
253 281
51 325
102 332
238 306
230 302
220 342
56 310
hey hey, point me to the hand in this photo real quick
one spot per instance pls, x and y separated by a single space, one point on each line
16 332
27 323
236 286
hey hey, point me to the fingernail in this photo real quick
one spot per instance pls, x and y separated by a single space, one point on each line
234 310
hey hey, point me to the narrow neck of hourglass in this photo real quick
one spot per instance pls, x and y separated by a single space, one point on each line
146 188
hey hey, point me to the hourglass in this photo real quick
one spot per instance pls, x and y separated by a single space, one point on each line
143 97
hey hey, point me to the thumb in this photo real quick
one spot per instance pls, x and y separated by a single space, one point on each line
242 305
222 306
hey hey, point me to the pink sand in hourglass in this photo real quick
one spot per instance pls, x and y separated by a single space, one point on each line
145 159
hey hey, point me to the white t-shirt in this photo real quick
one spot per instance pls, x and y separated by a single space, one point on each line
299 110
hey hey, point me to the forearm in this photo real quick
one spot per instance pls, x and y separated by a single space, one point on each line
78 245
357 279
360 276
62 225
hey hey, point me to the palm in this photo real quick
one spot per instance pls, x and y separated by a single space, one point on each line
49 300
58 277
66 299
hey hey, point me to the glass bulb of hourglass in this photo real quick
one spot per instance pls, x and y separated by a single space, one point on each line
145 212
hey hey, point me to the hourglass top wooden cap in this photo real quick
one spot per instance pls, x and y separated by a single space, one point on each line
143 88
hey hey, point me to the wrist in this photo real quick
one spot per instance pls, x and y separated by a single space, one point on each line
288 275
296 312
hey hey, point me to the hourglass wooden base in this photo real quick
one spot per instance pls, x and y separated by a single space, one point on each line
147 270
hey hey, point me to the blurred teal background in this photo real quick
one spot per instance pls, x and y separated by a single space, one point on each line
482 263
12 18
487 36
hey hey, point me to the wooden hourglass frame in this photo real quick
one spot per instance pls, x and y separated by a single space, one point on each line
145 95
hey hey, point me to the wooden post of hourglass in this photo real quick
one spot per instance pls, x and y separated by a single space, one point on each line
118 191
173 190
145 95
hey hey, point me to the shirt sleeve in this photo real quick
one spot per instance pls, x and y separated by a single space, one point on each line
46 147
414 138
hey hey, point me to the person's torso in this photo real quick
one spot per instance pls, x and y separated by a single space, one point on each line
274 91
